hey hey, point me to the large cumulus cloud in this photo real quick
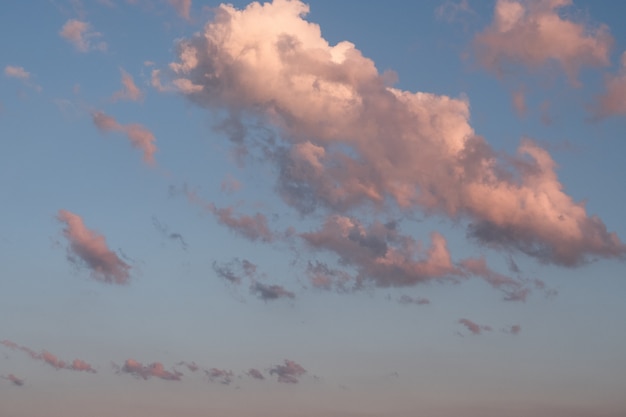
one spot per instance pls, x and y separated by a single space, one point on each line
348 139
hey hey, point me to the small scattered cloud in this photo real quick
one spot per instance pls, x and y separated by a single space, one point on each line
289 372
164 230
514 329
16 72
474 328
89 248
270 292
230 184
51 359
129 90
255 373
235 270
155 369
222 376
82 36
451 11
15 380
138 136
519 102
407 299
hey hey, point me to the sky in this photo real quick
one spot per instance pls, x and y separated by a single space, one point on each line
292 209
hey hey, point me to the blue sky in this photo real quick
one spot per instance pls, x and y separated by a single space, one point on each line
290 209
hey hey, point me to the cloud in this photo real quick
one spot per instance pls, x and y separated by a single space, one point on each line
88 248
289 372
80 34
16 72
164 230
15 380
348 140
381 254
235 270
451 11
513 289
473 327
407 299
155 369
139 137
230 184
190 365
534 33
129 90
613 101
51 359
219 375
270 292
253 228
514 329
325 277
183 7
255 373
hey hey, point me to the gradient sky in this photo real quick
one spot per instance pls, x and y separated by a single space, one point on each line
341 209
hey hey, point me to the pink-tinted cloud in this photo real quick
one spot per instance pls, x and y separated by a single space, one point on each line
534 33
325 277
155 369
474 328
82 36
381 254
613 101
348 140
51 359
289 372
254 227
89 248
129 90
183 7
139 137
255 373
230 184
15 380
16 72
513 289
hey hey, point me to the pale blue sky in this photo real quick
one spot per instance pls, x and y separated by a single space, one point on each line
365 353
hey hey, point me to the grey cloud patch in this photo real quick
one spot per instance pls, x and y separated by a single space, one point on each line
289 372
270 292
163 229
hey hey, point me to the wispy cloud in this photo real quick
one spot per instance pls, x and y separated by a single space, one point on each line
51 359
183 7
164 230
270 292
474 328
407 299
89 248
138 136
15 380
82 36
16 72
219 375
255 373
